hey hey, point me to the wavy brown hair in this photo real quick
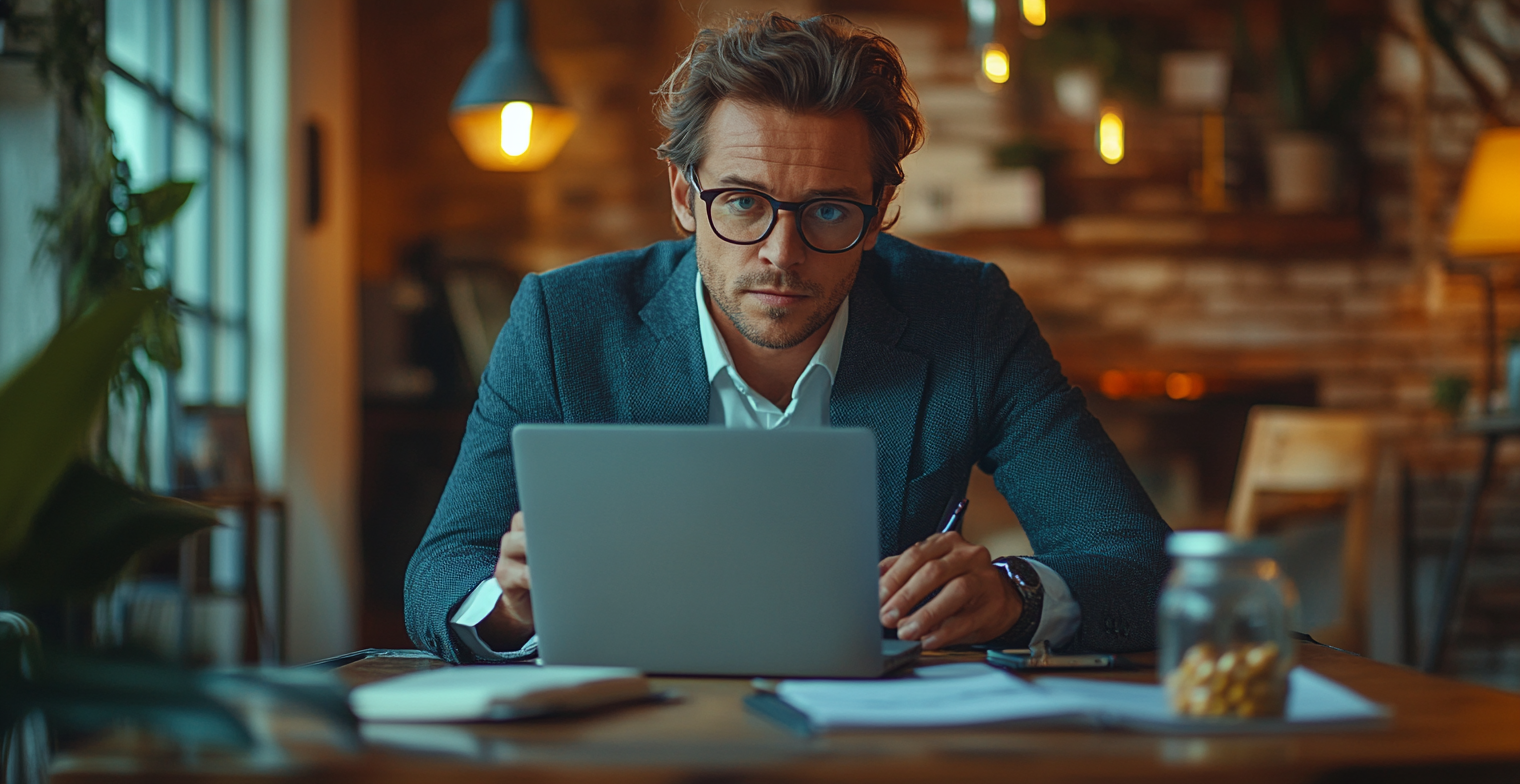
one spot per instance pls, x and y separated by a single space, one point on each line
824 64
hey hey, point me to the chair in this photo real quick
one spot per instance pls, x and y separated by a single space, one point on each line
1306 460
214 467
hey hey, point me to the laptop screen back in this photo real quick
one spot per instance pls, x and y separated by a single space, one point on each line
702 550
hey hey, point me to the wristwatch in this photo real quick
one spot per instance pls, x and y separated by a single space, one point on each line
1027 581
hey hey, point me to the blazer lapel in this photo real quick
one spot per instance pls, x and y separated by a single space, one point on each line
880 386
666 369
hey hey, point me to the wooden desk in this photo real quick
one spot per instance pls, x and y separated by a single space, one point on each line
1442 729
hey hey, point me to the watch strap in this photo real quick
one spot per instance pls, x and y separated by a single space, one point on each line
1027 582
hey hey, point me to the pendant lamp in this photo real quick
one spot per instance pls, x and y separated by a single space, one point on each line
505 115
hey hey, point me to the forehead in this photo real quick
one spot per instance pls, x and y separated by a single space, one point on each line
772 145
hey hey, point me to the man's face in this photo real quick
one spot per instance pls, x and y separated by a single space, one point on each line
779 291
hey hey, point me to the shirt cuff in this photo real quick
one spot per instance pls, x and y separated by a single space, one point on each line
476 607
1060 615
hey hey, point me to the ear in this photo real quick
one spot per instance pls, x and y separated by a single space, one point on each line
681 196
874 230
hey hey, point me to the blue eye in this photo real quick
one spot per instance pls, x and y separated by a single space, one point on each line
743 203
829 213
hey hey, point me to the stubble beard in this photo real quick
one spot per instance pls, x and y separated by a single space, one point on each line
728 302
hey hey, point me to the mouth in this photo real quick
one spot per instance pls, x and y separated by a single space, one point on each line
771 298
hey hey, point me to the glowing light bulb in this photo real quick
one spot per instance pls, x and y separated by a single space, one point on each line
1034 12
516 128
1111 137
995 63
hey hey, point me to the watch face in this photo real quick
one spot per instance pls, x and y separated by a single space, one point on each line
1026 578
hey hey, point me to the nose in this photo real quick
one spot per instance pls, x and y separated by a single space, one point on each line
784 247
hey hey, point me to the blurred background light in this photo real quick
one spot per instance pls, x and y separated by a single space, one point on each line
995 65
1111 136
1034 12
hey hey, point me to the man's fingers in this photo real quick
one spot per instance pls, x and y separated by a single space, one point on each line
519 523
514 546
516 580
911 561
952 599
954 630
886 563
925 580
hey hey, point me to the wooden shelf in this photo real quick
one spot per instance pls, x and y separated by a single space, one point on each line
1240 233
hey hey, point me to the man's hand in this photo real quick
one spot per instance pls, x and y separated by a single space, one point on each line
511 623
976 602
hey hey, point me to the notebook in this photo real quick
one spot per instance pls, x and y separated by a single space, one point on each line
495 693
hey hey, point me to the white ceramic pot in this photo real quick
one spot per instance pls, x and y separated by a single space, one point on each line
1301 172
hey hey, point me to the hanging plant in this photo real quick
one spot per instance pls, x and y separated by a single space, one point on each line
97 233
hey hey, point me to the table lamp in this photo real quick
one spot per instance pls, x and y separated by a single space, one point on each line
1487 227
505 115
1487 222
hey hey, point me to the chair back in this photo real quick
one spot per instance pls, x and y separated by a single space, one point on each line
1298 460
1299 450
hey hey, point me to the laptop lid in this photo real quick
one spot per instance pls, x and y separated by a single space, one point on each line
703 550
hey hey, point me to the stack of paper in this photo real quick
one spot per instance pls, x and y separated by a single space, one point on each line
966 694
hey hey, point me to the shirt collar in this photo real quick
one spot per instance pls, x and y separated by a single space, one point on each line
715 351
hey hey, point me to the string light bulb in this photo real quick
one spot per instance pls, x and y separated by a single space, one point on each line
1111 136
1034 12
995 63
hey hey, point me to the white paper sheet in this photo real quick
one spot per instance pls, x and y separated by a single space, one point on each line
964 694
955 695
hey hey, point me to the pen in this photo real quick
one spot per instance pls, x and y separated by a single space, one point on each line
955 514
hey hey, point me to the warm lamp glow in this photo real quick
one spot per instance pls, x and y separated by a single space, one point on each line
506 114
995 63
516 128
1034 12
1487 222
1184 386
1111 136
516 136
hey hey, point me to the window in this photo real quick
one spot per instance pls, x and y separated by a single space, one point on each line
177 99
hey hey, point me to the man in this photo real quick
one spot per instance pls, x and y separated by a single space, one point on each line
787 306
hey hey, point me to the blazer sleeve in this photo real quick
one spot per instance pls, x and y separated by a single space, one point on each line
459 549
1085 513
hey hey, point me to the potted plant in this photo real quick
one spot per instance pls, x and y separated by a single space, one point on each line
1302 158
70 521
66 527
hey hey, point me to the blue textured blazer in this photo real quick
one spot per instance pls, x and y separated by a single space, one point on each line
941 359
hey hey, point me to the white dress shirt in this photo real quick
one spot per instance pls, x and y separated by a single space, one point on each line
732 403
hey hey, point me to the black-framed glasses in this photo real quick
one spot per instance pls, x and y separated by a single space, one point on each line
744 216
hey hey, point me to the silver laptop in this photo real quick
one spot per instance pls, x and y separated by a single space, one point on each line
704 550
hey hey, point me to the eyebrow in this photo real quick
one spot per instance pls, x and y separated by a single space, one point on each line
834 193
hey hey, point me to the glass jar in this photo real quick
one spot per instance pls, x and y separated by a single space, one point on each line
1224 619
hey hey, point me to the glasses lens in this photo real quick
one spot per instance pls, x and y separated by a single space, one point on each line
832 225
740 216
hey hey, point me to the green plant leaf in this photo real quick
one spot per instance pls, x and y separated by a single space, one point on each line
89 529
86 692
47 407
159 205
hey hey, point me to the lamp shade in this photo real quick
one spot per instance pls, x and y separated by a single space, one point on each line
1488 215
506 115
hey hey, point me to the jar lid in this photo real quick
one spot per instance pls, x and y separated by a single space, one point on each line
1217 544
